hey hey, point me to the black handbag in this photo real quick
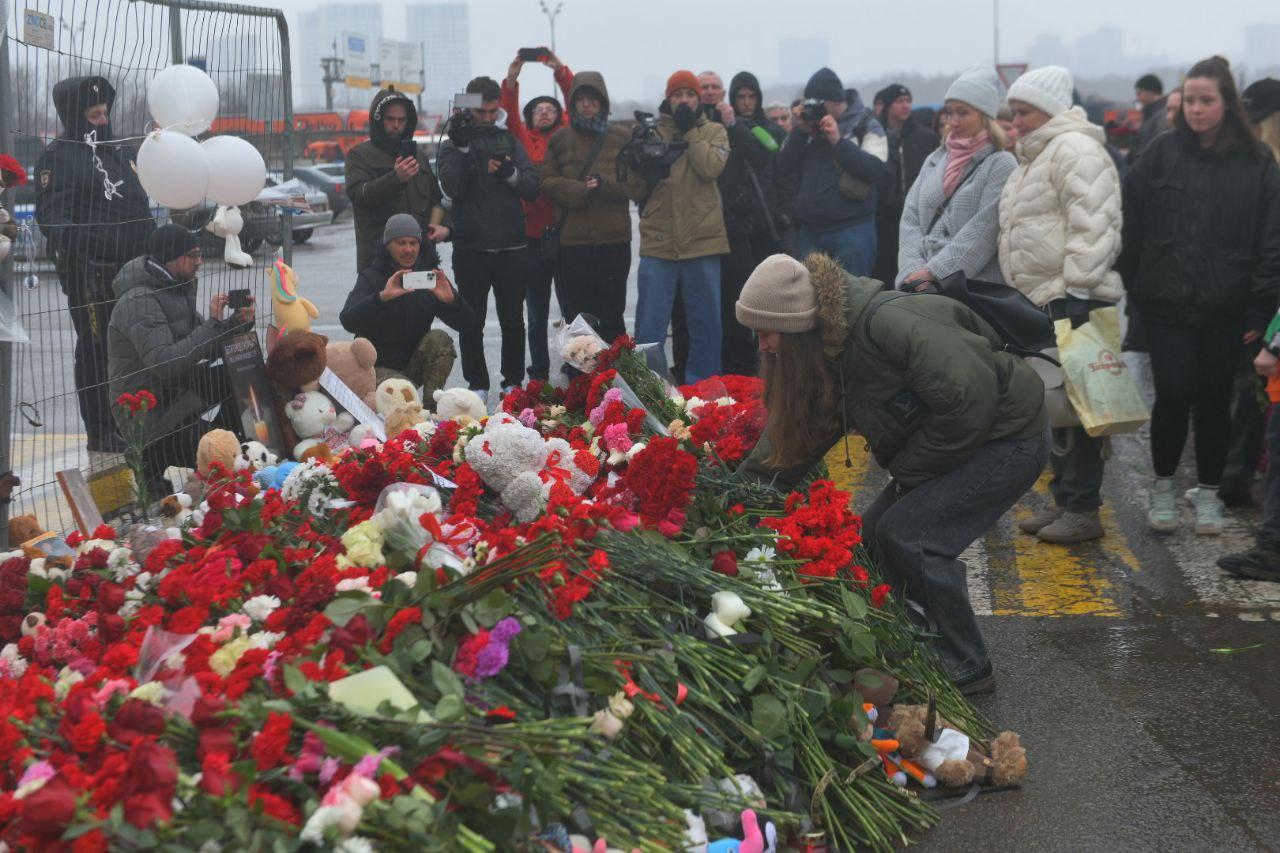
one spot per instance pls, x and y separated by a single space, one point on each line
551 234
1025 329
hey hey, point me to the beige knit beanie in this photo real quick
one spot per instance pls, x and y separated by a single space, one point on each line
778 297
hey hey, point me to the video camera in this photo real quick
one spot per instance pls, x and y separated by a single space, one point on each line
647 148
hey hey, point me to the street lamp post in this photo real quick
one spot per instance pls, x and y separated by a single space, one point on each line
551 18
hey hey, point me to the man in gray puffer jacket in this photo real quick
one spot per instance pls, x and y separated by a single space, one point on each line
158 341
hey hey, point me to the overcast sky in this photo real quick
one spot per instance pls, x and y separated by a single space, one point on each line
635 42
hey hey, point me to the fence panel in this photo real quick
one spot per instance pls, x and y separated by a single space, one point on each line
57 404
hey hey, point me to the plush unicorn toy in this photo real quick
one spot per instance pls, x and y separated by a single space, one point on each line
293 313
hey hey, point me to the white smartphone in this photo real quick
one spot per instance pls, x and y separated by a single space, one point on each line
422 280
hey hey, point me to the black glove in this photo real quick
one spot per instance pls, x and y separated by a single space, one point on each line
685 118
655 171
508 167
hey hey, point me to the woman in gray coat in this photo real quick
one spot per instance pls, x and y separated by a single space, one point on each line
950 222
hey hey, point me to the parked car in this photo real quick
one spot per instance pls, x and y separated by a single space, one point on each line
262 221
330 179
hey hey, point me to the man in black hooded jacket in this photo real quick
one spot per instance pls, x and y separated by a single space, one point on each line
93 211
389 175
757 212
910 144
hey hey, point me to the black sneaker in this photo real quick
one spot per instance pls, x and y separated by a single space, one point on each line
1258 563
980 683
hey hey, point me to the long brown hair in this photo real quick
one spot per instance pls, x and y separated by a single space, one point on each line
1235 133
799 398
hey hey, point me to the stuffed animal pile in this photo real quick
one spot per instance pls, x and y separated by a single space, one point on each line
522 466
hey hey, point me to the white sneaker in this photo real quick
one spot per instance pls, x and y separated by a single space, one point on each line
1209 513
1162 506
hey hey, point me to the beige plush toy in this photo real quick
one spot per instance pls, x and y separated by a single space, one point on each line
403 417
953 757
220 447
352 362
457 404
393 393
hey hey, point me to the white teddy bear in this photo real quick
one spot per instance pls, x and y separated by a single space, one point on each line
316 421
227 223
521 466
459 404
393 393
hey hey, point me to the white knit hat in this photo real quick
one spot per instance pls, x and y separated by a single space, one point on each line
1047 89
979 87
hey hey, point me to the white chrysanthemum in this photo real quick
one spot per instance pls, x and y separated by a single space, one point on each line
354 844
260 607
120 561
693 404
357 584
265 639
12 663
312 483
760 554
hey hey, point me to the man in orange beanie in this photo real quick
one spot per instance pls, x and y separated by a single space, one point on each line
681 229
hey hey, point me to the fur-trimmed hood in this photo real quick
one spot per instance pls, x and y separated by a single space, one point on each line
840 301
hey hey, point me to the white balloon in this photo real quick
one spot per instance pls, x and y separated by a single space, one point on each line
174 169
183 98
237 172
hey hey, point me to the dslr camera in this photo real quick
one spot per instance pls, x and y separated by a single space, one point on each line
812 111
647 148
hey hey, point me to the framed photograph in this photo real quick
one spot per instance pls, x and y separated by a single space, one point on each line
254 398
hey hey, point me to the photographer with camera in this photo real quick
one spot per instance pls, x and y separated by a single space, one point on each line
388 175
670 168
542 117
836 154
487 174
593 209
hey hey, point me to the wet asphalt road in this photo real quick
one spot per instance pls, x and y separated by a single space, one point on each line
1139 735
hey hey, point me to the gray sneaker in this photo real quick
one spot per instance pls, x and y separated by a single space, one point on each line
1210 513
1071 528
1162 506
1041 520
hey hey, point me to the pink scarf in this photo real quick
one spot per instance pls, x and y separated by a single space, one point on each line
959 153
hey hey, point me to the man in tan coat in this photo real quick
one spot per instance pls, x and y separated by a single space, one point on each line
682 233
592 208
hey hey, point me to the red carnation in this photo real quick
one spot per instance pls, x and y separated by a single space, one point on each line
271 744
48 812
216 776
879 594
726 563
398 623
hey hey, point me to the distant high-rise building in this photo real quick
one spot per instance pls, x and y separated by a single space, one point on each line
1048 49
1260 54
318 31
799 58
444 30
1100 52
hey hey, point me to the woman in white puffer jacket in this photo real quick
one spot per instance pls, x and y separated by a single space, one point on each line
1060 222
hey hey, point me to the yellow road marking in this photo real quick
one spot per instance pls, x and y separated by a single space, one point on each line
1026 576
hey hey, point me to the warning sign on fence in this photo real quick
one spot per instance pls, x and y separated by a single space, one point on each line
37 29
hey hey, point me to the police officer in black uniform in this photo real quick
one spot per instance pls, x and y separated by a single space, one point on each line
95 215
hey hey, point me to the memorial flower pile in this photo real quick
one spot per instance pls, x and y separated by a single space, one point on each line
469 637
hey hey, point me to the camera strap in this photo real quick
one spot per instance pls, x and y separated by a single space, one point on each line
582 176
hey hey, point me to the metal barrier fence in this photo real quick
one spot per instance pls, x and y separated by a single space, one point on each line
53 403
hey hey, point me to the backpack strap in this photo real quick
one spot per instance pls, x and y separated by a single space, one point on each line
871 312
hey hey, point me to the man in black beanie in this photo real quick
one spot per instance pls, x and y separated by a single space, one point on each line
158 341
910 143
1149 93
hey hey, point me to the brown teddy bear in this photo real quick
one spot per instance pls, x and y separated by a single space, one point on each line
219 447
297 360
403 417
352 362
952 756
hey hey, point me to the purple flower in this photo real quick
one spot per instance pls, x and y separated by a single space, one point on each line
504 630
491 660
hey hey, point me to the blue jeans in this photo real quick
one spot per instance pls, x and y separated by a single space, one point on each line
698 280
917 536
537 302
853 246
